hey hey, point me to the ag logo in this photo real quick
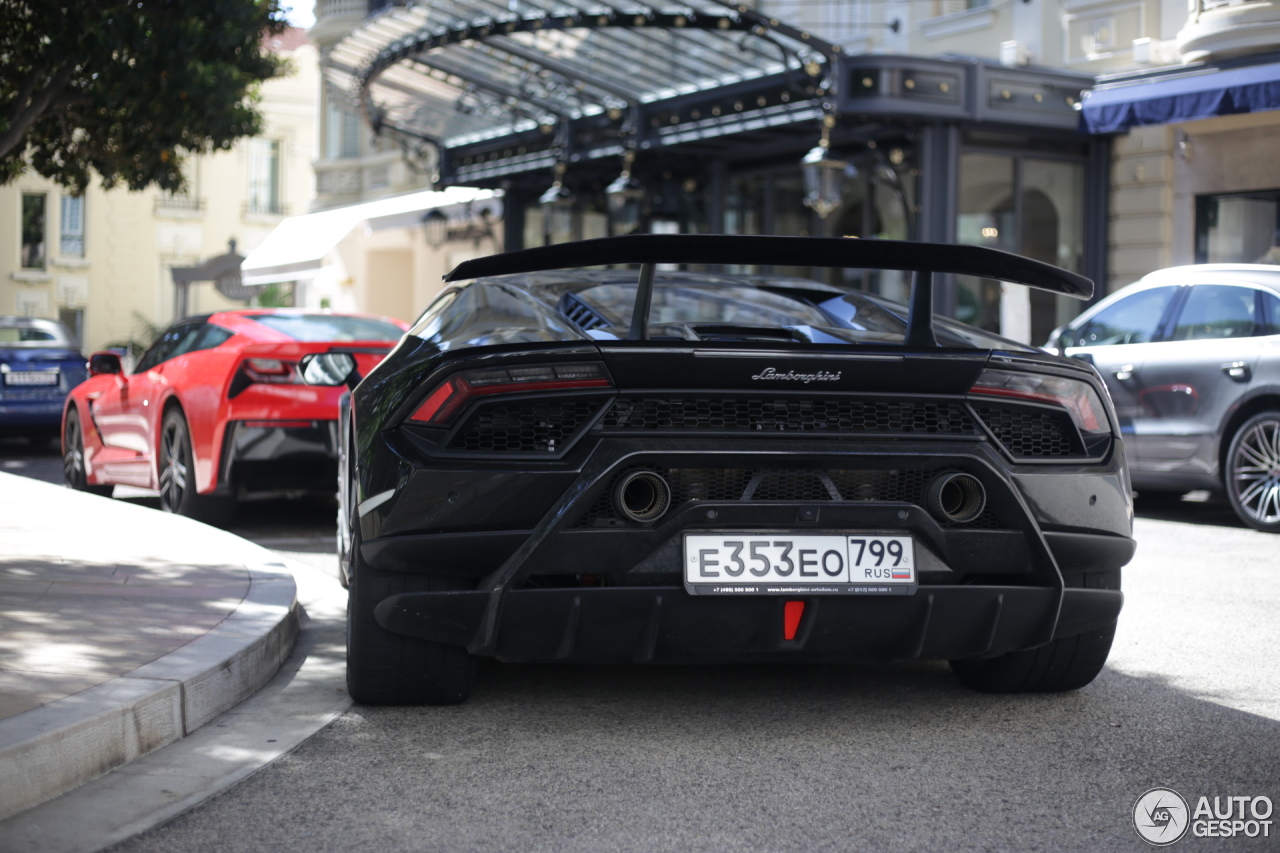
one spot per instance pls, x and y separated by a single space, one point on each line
1161 816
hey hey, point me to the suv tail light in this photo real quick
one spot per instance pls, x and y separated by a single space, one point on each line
1079 398
451 395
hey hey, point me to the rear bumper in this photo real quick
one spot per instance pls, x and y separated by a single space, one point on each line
37 413
985 589
667 625
261 456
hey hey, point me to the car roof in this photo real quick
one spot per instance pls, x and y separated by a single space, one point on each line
292 312
1260 275
1263 274
235 317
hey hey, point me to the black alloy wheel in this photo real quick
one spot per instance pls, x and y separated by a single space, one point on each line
177 477
1067 663
1253 472
73 467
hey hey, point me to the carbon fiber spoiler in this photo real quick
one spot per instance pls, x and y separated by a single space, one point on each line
922 258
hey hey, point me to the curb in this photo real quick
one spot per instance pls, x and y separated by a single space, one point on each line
52 749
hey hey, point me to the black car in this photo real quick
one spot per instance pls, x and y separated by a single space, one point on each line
622 465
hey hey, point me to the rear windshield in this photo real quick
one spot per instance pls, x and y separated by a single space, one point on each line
694 305
33 333
330 327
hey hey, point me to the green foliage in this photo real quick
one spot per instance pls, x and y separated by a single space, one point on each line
274 296
144 335
127 88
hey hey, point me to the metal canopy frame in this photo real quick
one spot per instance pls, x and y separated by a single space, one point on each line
557 62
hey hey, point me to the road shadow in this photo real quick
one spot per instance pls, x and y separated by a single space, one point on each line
876 757
1206 508
39 460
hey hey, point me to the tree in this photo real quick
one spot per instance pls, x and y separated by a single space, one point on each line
127 88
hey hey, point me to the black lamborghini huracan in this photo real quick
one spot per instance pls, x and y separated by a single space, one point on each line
613 451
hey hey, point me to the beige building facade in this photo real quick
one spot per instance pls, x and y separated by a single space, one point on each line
1204 191
101 262
353 166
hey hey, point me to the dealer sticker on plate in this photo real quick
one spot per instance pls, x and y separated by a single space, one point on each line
780 563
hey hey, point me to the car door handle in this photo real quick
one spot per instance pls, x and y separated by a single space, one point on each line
1238 371
1125 373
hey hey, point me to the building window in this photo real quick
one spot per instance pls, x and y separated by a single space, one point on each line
34 229
845 19
342 135
188 200
73 319
264 176
1238 229
954 7
71 240
1030 206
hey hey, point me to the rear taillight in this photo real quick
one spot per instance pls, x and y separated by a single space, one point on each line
447 398
270 370
1079 398
264 371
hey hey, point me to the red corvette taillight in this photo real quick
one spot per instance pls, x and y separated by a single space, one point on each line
263 371
452 394
1077 397
270 370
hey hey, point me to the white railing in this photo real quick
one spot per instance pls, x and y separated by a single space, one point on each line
332 8
1221 28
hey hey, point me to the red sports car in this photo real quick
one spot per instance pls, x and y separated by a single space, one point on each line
222 405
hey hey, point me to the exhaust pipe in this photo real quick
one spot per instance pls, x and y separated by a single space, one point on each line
956 498
641 496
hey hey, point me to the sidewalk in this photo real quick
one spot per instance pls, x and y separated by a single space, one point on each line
122 629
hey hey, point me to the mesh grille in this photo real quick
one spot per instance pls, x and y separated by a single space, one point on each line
523 426
1029 432
741 484
743 414
791 486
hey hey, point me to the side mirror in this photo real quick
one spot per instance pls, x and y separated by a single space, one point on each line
104 364
327 368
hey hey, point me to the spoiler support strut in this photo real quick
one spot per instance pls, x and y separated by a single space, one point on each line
644 298
920 313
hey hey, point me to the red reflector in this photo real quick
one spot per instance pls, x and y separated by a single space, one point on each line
432 405
791 613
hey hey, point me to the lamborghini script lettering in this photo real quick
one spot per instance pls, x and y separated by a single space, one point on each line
806 378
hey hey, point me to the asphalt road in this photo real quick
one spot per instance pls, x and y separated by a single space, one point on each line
891 757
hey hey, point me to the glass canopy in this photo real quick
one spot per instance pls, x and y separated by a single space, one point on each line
453 72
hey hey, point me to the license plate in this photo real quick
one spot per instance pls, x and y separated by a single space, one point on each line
779 563
32 377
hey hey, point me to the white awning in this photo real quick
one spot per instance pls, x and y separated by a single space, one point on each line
296 249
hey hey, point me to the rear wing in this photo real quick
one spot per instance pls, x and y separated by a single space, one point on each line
924 259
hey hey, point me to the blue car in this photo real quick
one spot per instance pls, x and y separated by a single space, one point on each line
40 362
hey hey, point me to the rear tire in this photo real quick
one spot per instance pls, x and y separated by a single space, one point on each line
1067 663
1252 474
391 669
73 467
178 477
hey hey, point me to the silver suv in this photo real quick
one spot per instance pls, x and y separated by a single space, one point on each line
1191 356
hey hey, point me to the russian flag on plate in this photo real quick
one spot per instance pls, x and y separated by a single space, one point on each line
903 573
